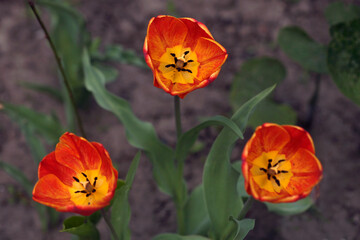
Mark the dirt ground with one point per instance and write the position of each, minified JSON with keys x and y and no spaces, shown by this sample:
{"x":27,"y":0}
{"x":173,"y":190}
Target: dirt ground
{"x":247,"y":29}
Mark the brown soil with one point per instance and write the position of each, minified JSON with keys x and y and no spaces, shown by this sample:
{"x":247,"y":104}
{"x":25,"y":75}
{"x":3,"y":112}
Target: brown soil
{"x":247,"y":29}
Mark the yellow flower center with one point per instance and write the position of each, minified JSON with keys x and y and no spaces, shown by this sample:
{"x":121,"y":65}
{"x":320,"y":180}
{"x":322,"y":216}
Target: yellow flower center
{"x":179,"y":65}
{"x":271,"y":171}
{"x":88,"y":187}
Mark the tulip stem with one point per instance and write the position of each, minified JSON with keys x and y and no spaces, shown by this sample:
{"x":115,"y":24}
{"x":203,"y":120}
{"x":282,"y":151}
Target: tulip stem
{"x":177,"y":116}
{"x":108,"y":222}
{"x":58,"y":61}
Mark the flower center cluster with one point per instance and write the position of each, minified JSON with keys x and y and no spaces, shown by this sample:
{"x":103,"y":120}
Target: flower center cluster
{"x":271,"y":171}
{"x":88,"y":187}
{"x":179,"y":65}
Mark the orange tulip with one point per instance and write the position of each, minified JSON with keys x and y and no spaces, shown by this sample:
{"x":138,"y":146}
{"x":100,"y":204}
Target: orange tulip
{"x":182,"y":54}
{"x":77,"y":177}
{"x":279,"y":164}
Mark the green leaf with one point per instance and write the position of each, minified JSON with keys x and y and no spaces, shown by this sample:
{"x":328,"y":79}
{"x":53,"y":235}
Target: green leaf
{"x":171,"y":236}
{"x":110,"y":73}
{"x":240,"y":186}
{"x":219,"y":178}
{"x":140,"y":134}
{"x":288,"y":209}
{"x":301,"y":48}
{"x":196,"y":217}
{"x":18,"y":175}
{"x":44,"y":124}
{"x":244,"y":226}
{"x":119,"y":54}
{"x":84,"y":230}
{"x":120,"y":214}
{"x":344,"y":58}
{"x":43,"y":88}
{"x":338,"y":12}
{"x":255,"y":75}
{"x":188,"y":139}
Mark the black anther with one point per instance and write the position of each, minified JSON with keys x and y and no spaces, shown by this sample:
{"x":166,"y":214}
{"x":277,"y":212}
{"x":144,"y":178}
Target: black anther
{"x":76,"y":179}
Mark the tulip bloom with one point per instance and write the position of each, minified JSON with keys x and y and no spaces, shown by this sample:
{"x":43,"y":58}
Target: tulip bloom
{"x":77,"y":177}
{"x":182,"y":54}
{"x":279,"y":164}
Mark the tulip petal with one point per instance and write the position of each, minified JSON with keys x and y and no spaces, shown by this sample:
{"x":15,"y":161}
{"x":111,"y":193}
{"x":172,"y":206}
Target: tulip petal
{"x":50,"y":191}
{"x":77,"y":153}
{"x":211,"y":56}
{"x":164,"y":32}
{"x":196,"y":30}
{"x":49,"y":165}
{"x":268,"y":137}
{"x":299,"y":139}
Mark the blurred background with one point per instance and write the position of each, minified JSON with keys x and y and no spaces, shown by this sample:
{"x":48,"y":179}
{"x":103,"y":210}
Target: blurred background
{"x":261,"y":53}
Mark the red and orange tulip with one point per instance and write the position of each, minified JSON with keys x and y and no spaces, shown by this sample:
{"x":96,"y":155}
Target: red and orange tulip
{"x":279,"y":164}
{"x":77,"y":177}
{"x":182,"y":54}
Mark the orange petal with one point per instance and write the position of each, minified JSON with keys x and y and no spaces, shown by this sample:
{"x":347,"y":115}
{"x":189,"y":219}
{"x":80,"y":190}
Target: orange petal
{"x":299,"y":139}
{"x":164,"y":32}
{"x":196,"y":30}
{"x":107,"y":168}
{"x":211,"y":56}
{"x":77,"y":153}
{"x":268,"y":137}
{"x":50,"y":191}
{"x":49,"y":165}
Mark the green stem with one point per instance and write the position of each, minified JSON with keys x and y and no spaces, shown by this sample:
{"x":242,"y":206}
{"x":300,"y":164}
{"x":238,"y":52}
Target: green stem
{"x":58,"y":61}
{"x":177,"y":116}
{"x":108,"y":222}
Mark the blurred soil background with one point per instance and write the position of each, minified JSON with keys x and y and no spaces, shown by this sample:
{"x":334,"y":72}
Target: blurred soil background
{"x":247,"y":29}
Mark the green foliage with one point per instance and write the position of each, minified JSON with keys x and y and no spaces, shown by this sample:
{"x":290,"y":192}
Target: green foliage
{"x":120,"y":214}
{"x":139,"y":134}
{"x":219,"y":178}
{"x":78,"y":226}
{"x":255,"y":75}
{"x":18,"y":175}
{"x":344,"y":58}
{"x":43,"y":88}
{"x":196,"y":217}
{"x":301,"y":48}
{"x":48,"y":126}
{"x":338,"y":12}
{"x":170,"y":236}
{"x":244,"y":226}
{"x":288,"y":209}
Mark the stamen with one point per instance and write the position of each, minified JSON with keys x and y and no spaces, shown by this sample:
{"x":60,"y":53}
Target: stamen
{"x":76,"y":179}
{"x":172,"y":54}
{"x":282,"y":160}
{"x":94,"y":184}
{"x":84,"y":174}
{"x":87,"y":195}
{"x":263,"y":169}
{"x":269,"y":163}
{"x":283,"y":171}
{"x":170,"y":65}
{"x":83,"y":191}
{"x":276,"y":180}
{"x":268,"y":175}
{"x":186,"y":52}
{"x":186,"y":70}
{"x":94,"y":190}
{"x":190,"y":61}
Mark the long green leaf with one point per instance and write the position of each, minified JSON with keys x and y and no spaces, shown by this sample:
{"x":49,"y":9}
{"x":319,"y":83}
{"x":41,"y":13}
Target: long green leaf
{"x":42,"y":88}
{"x":287,"y":209}
{"x":196,"y":217}
{"x":44,"y":124}
{"x":219,"y":178}
{"x":301,"y":48}
{"x":18,"y":175}
{"x":139,"y":134}
{"x":171,"y":236}
{"x":120,"y":214}
{"x":344,"y":58}
{"x":188,"y":139}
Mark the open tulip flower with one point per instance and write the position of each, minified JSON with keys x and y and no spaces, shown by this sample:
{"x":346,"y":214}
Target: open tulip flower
{"x":77,"y":177}
{"x":279,"y":164}
{"x":182,"y":54}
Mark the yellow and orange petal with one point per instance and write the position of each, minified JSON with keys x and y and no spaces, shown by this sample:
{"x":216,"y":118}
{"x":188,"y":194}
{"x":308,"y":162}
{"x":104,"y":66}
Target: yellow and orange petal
{"x":77,"y":177}
{"x":182,"y":54}
{"x":279,"y":164}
